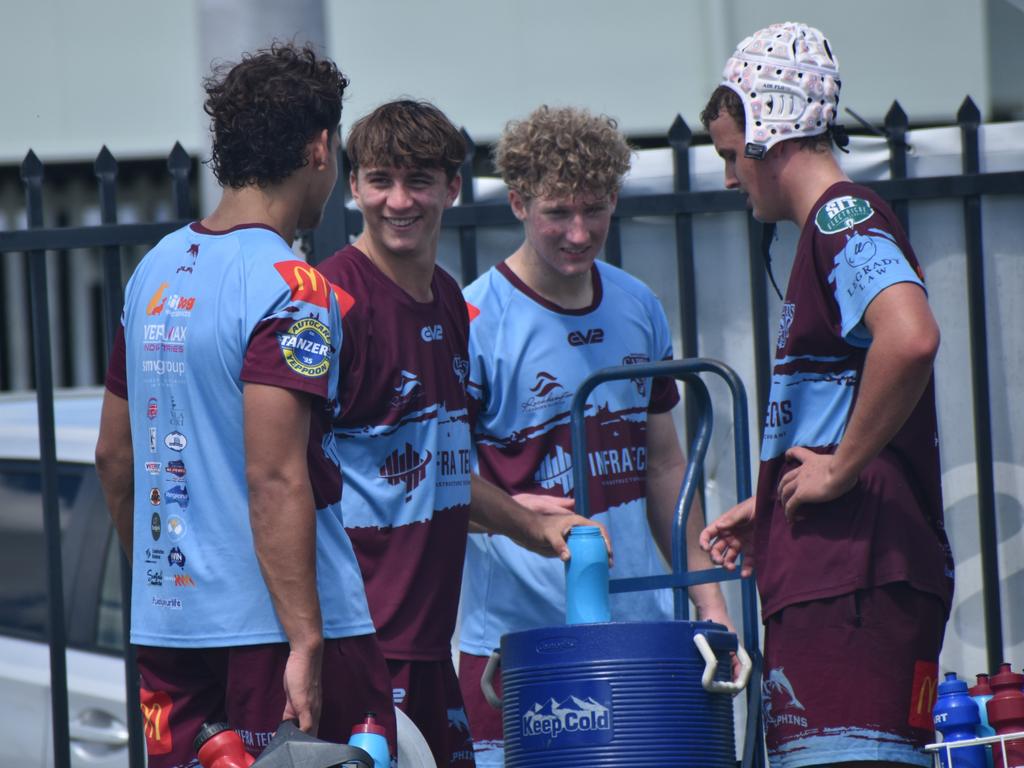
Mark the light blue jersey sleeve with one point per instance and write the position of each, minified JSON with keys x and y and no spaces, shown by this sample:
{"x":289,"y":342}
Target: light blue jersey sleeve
{"x":866,"y":265}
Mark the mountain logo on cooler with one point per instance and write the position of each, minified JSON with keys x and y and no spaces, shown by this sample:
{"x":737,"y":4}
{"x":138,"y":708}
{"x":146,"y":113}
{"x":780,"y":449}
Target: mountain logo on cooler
{"x":555,"y":469}
{"x":407,"y":467}
{"x":553,"y":719}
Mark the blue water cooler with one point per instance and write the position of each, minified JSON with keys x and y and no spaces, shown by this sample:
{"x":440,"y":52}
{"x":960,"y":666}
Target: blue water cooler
{"x":637,"y":693}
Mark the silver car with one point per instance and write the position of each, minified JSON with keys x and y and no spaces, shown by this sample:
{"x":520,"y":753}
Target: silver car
{"x":92,"y":596}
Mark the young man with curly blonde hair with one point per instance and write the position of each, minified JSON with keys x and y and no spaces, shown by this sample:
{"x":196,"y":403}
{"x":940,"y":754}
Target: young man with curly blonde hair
{"x":543,"y":320}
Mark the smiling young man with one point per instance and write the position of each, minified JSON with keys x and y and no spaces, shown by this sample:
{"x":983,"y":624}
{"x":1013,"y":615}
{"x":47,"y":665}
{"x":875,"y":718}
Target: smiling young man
{"x":543,"y":320}
{"x":846,"y":528}
{"x":215,"y":450}
{"x":403,"y":426}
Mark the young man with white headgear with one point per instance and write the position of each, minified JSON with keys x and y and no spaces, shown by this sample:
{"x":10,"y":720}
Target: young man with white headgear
{"x":853,"y":565}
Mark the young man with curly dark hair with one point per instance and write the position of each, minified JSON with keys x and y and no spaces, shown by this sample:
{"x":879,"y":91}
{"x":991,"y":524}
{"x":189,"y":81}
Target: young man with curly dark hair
{"x":544,"y":319}
{"x":846,"y":527}
{"x":403,"y":427}
{"x":216,"y":452}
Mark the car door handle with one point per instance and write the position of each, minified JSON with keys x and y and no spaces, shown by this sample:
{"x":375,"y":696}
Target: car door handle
{"x":98,"y":727}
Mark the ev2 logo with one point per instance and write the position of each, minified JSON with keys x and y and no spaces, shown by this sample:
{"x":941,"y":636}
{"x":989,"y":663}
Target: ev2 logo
{"x":432,"y":333}
{"x":591,"y":336}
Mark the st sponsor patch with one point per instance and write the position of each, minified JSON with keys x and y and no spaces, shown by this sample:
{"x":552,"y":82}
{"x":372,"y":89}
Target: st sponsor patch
{"x":306,"y":347}
{"x":842,"y":213}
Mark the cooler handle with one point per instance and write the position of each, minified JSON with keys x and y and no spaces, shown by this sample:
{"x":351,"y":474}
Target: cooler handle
{"x":487,"y":680}
{"x":711,"y":665}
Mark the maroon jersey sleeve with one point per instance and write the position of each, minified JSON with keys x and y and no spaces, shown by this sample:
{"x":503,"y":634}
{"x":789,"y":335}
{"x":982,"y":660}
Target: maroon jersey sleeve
{"x":664,"y":395}
{"x":116,"y":379}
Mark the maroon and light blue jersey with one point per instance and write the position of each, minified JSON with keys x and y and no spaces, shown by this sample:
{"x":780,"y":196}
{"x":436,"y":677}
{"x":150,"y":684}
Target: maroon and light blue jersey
{"x":527,"y":358}
{"x":205,"y":314}
{"x":889,"y":528}
{"x":404,"y":441}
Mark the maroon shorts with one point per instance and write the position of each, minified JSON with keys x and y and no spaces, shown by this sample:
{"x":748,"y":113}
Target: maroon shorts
{"x":484,"y":720}
{"x":181,"y":688}
{"x":428,"y":692}
{"x":852,"y":678}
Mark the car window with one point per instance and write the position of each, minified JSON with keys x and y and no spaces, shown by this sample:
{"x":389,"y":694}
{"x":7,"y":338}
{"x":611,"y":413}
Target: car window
{"x":109,"y":635}
{"x":23,"y":598}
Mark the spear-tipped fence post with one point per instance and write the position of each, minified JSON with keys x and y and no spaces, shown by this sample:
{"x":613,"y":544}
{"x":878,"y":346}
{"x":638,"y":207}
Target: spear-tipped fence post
{"x":32,"y":177}
{"x":896,"y":130}
{"x":467,"y":235}
{"x":969,"y":118}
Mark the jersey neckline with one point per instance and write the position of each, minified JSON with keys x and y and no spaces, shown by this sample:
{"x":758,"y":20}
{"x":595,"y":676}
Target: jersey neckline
{"x":595,"y":276}
{"x":199,"y":228}
{"x":397,"y":291}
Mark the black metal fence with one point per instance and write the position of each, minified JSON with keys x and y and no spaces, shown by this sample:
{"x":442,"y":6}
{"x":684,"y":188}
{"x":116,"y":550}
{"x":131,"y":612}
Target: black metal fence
{"x":682,"y":204}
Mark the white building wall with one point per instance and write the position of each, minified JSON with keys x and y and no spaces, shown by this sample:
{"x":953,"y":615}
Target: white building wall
{"x":644,"y":61}
{"x":78,"y":75}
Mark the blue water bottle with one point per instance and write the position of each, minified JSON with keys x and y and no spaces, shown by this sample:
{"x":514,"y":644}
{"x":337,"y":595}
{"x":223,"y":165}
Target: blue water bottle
{"x":586,"y":577}
{"x":956,"y":717}
{"x":371,"y":737}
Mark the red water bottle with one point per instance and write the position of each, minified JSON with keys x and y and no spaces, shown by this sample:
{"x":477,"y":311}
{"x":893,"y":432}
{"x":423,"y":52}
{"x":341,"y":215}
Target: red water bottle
{"x":1006,"y":715}
{"x":217,"y":746}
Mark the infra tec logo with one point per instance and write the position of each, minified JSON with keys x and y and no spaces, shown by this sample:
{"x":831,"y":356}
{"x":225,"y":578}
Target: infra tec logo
{"x":406,"y":467}
{"x":555,"y":469}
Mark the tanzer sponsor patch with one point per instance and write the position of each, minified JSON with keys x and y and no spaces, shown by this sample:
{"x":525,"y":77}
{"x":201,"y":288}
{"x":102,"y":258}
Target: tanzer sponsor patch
{"x":842,"y":213}
{"x":306,"y":346}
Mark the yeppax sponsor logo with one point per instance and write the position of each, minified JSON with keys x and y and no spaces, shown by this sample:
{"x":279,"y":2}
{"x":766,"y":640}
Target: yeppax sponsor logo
{"x":554,"y":719}
{"x":164,"y":336}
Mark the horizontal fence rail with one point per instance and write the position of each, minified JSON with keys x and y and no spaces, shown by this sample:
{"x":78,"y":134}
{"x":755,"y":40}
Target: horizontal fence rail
{"x":113,"y":249}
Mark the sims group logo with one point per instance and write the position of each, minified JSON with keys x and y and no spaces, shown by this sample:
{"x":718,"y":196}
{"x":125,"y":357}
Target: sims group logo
{"x":306,"y":347}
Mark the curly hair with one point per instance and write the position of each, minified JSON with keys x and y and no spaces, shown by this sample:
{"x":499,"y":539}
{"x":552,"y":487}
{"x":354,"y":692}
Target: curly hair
{"x":562,"y":152}
{"x":725,"y":99}
{"x":265,"y":109}
{"x":406,"y":134}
